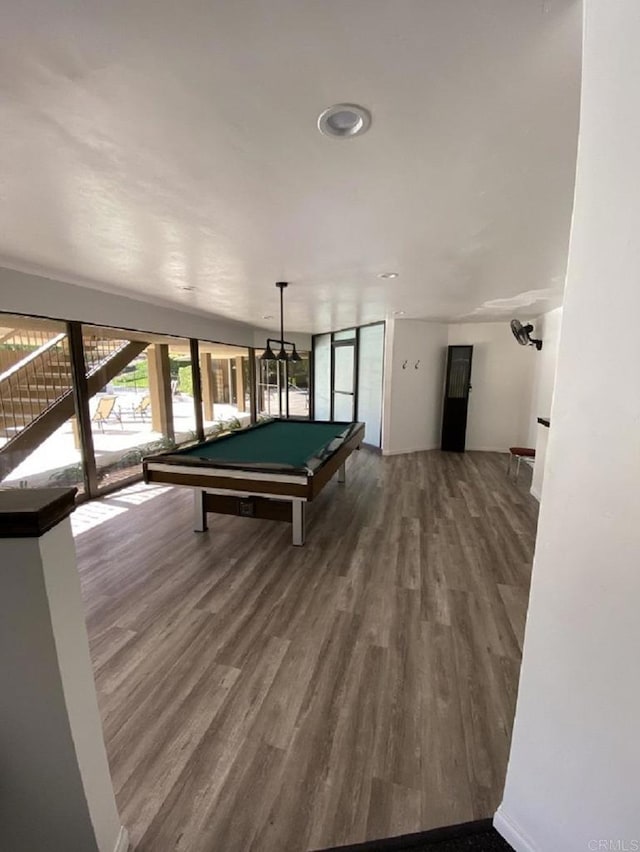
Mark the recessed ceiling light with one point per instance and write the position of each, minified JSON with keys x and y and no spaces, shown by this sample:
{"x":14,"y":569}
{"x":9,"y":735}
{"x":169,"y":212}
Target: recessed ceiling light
{"x":398,"y":313}
{"x":344,"y":121}
{"x":267,"y":316}
{"x":187,"y":289}
{"x":388,"y":275}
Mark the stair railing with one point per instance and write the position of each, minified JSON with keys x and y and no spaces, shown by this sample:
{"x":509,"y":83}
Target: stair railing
{"x":99,"y":350}
{"x":33,"y":384}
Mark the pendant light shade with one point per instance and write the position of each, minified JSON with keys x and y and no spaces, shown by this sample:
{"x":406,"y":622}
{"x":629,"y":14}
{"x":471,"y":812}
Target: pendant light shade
{"x":282,"y":354}
{"x":268,"y":354}
{"x":294,"y":355}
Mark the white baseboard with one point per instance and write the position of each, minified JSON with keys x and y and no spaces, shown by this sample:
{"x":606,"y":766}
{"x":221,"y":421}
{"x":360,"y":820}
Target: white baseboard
{"x":487,"y":450}
{"x":407,"y":451}
{"x":122,"y":844}
{"x":512,"y":832}
{"x":437,"y":447}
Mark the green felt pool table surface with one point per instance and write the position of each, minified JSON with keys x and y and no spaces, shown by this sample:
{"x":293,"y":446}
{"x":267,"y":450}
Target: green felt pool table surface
{"x":280,"y":442}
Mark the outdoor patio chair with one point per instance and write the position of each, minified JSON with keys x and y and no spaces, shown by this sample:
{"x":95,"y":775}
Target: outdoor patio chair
{"x":143,"y":408}
{"x":105,"y":410}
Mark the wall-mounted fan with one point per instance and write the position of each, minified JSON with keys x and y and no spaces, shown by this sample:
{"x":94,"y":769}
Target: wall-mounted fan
{"x":522,"y":334}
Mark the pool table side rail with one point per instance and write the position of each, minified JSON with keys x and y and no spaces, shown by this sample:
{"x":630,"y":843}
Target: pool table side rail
{"x":323,"y":474}
{"x":171,"y":475}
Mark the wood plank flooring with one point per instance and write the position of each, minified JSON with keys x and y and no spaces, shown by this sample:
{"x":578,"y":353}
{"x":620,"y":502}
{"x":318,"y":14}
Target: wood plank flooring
{"x":257,"y":696}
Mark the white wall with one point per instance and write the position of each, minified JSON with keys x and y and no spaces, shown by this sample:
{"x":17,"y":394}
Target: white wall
{"x":33,"y":294}
{"x":502,"y":375}
{"x":412,"y":416}
{"x":547,"y":328}
{"x":56,"y":793}
{"x":573,"y":781}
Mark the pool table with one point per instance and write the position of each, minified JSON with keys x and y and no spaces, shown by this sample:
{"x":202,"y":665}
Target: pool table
{"x":270,"y":470}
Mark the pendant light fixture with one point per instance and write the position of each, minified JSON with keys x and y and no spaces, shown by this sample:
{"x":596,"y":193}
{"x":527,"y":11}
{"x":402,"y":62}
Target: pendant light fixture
{"x":283,"y":355}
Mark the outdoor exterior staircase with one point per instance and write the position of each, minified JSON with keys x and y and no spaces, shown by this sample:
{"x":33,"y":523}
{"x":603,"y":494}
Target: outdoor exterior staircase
{"x":36,"y":389}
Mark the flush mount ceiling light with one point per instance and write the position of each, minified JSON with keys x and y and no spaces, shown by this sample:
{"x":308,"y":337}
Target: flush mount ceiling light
{"x":344,"y":121}
{"x":387,"y":275}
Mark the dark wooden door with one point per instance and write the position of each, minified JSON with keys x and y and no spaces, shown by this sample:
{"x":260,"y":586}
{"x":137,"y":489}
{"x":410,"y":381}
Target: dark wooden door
{"x":456,"y":398}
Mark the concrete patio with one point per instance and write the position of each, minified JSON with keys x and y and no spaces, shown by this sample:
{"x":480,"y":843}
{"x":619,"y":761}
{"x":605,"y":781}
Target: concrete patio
{"x":113,"y":439}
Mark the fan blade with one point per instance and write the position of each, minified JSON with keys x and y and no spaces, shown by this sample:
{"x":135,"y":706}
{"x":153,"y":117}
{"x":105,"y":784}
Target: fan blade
{"x":518,"y":332}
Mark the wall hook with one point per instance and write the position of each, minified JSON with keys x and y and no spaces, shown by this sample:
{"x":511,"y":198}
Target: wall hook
{"x":417,"y":363}
{"x":404,"y":365}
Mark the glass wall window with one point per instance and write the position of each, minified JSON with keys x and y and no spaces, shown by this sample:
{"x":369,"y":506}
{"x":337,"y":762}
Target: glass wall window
{"x":283,"y":389}
{"x":322,"y":377}
{"x":135,"y":395}
{"x":346,"y":334}
{"x":140,"y":389}
{"x":370,"y":375}
{"x":343,"y":369}
{"x":298,"y":376}
{"x":183,"y":405}
{"x":39,"y":439}
{"x":226,"y":388}
{"x":348,"y":369}
{"x":268,"y":388}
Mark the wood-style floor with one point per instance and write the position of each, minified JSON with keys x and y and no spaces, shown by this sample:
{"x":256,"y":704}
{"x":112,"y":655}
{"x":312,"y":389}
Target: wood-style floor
{"x":257,"y":696}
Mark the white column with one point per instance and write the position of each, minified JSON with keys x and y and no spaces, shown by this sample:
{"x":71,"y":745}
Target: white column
{"x":572,"y":782}
{"x":56,"y":789}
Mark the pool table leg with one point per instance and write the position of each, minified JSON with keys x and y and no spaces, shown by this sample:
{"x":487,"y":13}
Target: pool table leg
{"x":297,"y":517}
{"x":342,"y":472}
{"x":199,"y":513}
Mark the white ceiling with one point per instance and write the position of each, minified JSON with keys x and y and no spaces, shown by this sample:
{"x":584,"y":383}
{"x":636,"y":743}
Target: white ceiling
{"x":151,"y":145}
